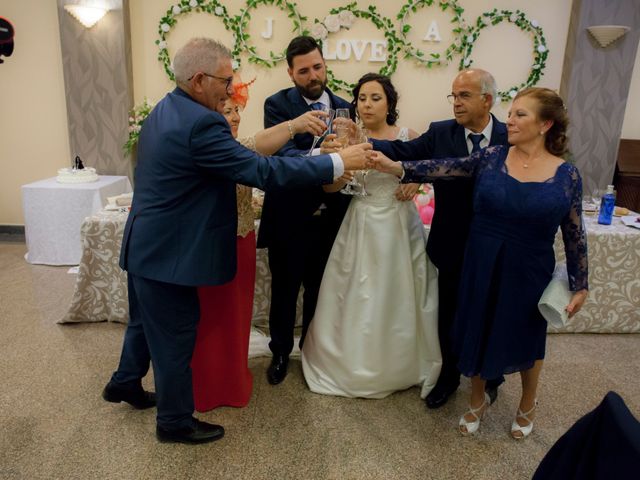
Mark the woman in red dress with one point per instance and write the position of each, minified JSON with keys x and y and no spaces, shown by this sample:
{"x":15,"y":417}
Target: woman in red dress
{"x":219,"y":365}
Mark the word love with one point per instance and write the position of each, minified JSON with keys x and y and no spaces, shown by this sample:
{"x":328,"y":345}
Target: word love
{"x":345,"y":49}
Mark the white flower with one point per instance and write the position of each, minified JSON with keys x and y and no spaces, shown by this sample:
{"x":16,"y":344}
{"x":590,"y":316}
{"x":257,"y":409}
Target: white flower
{"x":165,"y":27}
{"x":131,"y":120}
{"x":470,"y":38}
{"x":235,"y":65}
{"x":219,"y":11}
{"x":319,"y":31}
{"x":162,"y":44}
{"x":176,"y":9}
{"x":513,"y":93}
{"x":193,"y":3}
{"x":542,"y":48}
{"x":534,"y":23}
{"x":513,"y":18}
{"x":535,"y":67}
{"x":467,"y":62}
{"x":346,"y":18}
{"x":332,"y":23}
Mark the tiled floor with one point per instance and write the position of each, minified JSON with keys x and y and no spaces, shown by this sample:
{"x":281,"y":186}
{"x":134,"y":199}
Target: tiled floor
{"x":53,"y":423}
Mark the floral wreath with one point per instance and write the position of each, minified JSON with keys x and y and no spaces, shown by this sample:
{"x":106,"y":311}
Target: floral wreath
{"x":518,"y":18}
{"x":242,"y":38}
{"x":434,"y":59}
{"x":183,"y":7}
{"x":343,"y":17}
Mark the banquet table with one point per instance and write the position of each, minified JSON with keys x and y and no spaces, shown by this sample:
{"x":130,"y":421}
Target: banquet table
{"x":614,"y":276}
{"x":53,"y":214}
{"x":613,"y":304}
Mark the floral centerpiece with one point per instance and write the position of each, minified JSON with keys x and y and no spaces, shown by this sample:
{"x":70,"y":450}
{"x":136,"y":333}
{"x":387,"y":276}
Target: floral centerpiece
{"x":136,"y":118}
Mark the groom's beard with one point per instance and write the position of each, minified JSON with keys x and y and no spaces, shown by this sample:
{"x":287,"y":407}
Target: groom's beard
{"x":313,"y":90}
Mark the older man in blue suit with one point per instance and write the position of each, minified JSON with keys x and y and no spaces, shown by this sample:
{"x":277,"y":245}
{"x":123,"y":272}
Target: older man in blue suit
{"x":181,"y":232}
{"x":473,"y":93}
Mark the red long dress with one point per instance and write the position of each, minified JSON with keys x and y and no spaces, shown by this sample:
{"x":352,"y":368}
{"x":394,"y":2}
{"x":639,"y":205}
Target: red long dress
{"x":219,"y":365}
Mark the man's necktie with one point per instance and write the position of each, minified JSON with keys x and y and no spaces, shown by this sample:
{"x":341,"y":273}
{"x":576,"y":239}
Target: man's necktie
{"x":475,"y":138}
{"x":317,"y":106}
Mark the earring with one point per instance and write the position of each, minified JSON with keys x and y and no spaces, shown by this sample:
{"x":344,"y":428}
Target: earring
{"x":541,"y":132}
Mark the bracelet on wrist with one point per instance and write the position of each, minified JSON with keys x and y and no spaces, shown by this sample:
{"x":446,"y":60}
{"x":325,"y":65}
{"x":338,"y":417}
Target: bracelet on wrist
{"x":290,"y":129}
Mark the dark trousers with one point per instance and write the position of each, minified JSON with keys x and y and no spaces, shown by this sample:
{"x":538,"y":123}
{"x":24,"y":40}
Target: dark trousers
{"x":448,"y":281}
{"x":162,"y":329}
{"x":299,"y":261}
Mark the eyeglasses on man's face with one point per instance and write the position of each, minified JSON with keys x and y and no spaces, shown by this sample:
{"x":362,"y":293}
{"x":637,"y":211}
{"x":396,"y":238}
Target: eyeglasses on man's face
{"x":462,"y":96}
{"x":228,"y":80}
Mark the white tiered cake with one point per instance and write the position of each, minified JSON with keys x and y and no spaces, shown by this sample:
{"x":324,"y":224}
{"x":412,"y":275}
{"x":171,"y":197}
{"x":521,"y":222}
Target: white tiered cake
{"x":73,"y":175}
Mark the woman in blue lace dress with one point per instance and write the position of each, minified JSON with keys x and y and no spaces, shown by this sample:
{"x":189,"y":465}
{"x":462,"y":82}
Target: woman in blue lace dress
{"x":522,"y":194}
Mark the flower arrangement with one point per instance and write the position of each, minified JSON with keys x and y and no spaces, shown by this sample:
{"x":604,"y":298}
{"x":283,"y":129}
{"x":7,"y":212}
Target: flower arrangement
{"x":332,"y":23}
{"x":344,"y":17}
{"x":137,"y":117}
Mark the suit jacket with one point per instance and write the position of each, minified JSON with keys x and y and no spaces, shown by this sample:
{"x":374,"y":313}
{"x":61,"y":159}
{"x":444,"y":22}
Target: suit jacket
{"x":286,"y":212}
{"x":453,"y":196}
{"x":182,"y":225}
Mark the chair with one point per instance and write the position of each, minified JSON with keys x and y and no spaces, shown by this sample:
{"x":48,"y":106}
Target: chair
{"x":604,"y":444}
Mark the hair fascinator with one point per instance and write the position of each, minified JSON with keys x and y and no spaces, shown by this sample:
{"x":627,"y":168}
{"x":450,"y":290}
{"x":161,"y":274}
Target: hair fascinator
{"x":240,"y":94}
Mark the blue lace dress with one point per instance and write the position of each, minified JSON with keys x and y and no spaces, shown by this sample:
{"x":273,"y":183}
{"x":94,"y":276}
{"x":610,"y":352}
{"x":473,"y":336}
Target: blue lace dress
{"x":509,"y":258}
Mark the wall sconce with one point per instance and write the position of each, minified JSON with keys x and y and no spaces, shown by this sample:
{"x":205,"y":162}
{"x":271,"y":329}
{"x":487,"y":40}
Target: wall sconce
{"x":86,"y":15}
{"x":607,"y":34}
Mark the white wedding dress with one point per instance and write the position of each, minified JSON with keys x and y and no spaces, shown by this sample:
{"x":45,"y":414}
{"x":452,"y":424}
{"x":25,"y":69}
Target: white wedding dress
{"x":375,"y":329}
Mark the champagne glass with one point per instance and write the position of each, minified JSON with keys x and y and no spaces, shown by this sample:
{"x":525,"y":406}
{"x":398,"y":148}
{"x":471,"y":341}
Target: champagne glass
{"x":328,"y":120}
{"x":596,"y":196}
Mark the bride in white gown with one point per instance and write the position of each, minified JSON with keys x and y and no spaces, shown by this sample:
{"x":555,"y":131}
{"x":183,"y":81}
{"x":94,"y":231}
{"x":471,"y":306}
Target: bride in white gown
{"x":375,"y":328}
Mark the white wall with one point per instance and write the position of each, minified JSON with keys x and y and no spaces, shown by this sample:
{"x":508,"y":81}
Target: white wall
{"x":34,"y":141}
{"x":33,"y":126}
{"x":631,"y":125}
{"x":503,"y":50}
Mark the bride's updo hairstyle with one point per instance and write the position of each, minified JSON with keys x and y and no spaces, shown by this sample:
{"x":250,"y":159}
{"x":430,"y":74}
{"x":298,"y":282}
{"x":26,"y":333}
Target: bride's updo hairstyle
{"x":550,"y":107}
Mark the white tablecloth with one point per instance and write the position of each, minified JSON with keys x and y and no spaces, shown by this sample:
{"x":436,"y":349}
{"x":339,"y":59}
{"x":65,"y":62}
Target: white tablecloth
{"x":613,"y":304}
{"x":614,"y":276}
{"x":53,"y":214}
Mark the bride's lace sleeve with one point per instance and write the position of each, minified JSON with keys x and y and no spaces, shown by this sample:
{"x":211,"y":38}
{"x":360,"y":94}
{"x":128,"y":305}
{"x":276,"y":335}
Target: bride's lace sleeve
{"x":420,"y":171}
{"x":574,"y":236}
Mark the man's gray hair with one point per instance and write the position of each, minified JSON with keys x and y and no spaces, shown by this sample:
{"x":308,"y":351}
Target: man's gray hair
{"x":488,"y":84}
{"x":198,"y":55}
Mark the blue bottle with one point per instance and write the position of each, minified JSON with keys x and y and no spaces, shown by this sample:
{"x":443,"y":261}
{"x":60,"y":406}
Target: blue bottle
{"x":606,"y":206}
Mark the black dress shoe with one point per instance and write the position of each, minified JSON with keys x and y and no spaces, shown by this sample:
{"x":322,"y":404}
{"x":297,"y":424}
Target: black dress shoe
{"x":439,"y":395}
{"x":278,"y":369}
{"x":199,"y":432}
{"x":492,"y":392}
{"x":136,"y":397}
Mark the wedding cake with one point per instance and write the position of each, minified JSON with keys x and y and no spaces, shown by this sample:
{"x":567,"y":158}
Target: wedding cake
{"x":77,"y":174}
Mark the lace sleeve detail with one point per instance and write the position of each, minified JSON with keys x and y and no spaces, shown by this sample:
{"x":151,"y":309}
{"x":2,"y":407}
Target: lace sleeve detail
{"x":574,"y":237}
{"x":249,"y":142}
{"x":245,"y":210}
{"x":243,"y":195}
{"x":420,"y":171}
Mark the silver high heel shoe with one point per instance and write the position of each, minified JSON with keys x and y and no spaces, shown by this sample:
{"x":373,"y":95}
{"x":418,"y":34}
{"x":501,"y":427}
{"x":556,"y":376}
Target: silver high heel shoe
{"x":518,"y":431}
{"x":472,"y":427}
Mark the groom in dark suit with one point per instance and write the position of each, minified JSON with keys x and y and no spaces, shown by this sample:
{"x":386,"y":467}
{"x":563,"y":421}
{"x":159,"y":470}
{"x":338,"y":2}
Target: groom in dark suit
{"x":181,"y":232}
{"x":473,"y":127}
{"x":298,"y":226}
